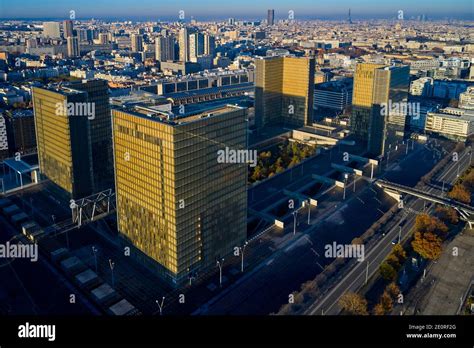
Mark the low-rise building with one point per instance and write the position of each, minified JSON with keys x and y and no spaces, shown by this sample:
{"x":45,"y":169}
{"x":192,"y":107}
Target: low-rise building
{"x":452,"y":123}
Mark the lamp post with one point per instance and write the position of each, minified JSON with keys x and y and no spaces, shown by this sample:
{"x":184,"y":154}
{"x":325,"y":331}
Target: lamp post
{"x":112,"y":266}
{"x":345,"y":181}
{"x":219,"y":264}
{"x":294,"y":221}
{"x":160,"y":305}
{"x":242,"y":250}
{"x":309,"y":211}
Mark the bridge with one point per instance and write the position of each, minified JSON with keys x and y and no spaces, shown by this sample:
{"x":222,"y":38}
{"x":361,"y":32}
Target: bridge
{"x":464,"y":210}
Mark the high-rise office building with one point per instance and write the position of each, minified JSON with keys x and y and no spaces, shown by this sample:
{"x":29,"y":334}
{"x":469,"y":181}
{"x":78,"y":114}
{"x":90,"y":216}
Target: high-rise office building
{"x":378,"y":116}
{"x":196,"y":45}
{"x":183,"y":42}
{"x":137,"y":43}
{"x":73,"y":133}
{"x":103,"y":38}
{"x":3,"y":139}
{"x":284,"y":88}
{"x":164,"y":48}
{"x":73,"y":49}
{"x":271,"y":17}
{"x":68,"y":28}
{"x":20,"y":130}
{"x":51,"y":30}
{"x":209,"y":45}
{"x":177,"y":203}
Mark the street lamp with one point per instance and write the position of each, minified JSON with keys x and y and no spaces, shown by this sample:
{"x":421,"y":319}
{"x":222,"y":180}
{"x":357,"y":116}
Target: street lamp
{"x":345,"y":181}
{"x":112,"y":266}
{"x":160,"y":305}
{"x":399,"y":234}
{"x":309,"y":211}
{"x":219,"y":264}
{"x":242,"y":250}
{"x":94,"y":250}
{"x":294,"y":221}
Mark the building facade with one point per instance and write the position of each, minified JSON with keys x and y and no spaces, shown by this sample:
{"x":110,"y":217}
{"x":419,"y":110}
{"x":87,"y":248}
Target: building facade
{"x":284,"y":91}
{"x":73,"y":132}
{"x":451,"y":123}
{"x":3,"y":139}
{"x":176,"y":203}
{"x":164,"y":49}
{"x":377,"y":90}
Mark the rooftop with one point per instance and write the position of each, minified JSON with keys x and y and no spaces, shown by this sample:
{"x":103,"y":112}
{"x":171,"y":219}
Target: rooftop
{"x":174,"y":119}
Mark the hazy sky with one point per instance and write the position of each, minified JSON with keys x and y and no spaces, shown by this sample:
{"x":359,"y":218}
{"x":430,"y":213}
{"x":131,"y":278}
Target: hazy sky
{"x":243,"y":9}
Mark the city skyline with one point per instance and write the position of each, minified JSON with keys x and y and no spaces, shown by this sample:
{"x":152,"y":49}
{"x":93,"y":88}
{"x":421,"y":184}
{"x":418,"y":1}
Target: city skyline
{"x":207,"y":10}
{"x":171,"y":159}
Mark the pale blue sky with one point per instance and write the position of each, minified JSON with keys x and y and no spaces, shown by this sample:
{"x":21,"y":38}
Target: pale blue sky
{"x":244,"y":9}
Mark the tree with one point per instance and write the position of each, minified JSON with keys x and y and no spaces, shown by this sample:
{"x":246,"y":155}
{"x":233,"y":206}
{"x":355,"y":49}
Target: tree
{"x":378,"y":309}
{"x":430,"y":224}
{"x":459,"y":193}
{"x":386,"y":301}
{"x":353,"y":303}
{"x":399,"y":253}
{"x":468,"y":181}
{"x":427,"y":245}
{"x":447,"y":214}
{"x":387,"y":271}
{"x":393,"y":290}
{"x":257,"y":173}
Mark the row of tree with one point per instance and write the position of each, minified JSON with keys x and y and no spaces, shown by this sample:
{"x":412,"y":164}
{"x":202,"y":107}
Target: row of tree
{"x":355,"y":304}
{"x":289,"y":154}
{"x":462,"y":189}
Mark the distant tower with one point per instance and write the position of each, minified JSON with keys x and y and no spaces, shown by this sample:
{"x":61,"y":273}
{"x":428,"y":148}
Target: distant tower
{"x":349,"y":19}
{"x":271,"y":17}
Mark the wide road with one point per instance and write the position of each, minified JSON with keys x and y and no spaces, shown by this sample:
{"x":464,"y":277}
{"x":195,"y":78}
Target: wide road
{"x":377,"y":254}
{"x":298,"y":258}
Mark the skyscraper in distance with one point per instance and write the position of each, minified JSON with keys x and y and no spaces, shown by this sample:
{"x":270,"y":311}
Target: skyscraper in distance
{"x":68,"y":28}
{"x":137,"y":43}
{"x":164,"y":48}
{"x":196,"y":45}
{"x":184,"y":43}
{"x":271,"y":17}
{"x":73,"y":49}
{"x":209,"y":44}
{"x":177,"y":203}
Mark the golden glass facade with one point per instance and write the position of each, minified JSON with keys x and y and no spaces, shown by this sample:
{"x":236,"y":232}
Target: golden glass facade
{"x":60,"y":141}
{"x":374,"y":86}
{"x":75,"y":148}
{"x":175,"y":202}
{"x":284,"y":88}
